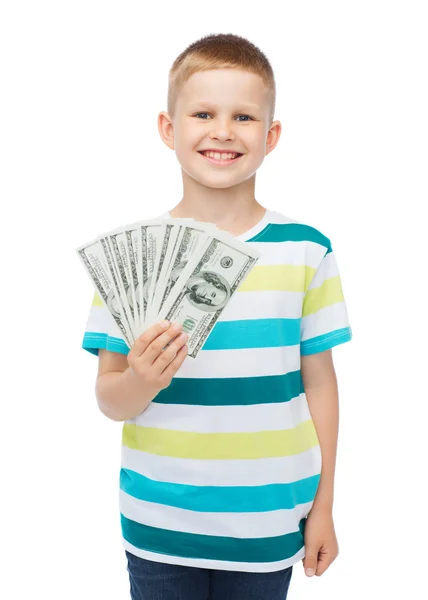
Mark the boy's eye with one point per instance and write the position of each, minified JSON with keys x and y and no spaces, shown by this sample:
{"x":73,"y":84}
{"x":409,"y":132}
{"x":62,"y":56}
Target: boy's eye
{"x":204,"y":113}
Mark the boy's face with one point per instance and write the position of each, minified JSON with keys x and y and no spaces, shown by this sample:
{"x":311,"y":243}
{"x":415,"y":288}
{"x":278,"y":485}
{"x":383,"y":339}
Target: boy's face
{"x":225,"y":109}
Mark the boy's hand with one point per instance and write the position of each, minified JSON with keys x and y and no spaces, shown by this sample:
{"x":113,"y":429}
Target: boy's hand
{"x":320,"y":541}
{"x":154,"y":364}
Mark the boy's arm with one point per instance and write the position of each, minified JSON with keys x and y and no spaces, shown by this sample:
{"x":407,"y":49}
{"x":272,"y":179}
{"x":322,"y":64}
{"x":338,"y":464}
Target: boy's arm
{"x":319,"y":380}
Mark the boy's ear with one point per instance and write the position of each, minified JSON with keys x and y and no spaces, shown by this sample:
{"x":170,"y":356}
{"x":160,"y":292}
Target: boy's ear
{"x":166,"y":129}
{"x":273,"y":136}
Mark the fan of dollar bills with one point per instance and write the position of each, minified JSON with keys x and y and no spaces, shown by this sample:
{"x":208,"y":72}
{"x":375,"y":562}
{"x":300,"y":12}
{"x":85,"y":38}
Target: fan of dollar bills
{"x":182,"y":270}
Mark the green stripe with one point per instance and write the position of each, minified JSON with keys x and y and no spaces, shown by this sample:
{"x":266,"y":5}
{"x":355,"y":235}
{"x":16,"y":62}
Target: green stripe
{"x":227,"y":391}
{"x":292,"y":232}
{"x":213,"y":547}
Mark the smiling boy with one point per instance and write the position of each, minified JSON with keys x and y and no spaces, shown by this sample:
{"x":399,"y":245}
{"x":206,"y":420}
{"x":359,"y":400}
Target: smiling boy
{"x":227,"y":473}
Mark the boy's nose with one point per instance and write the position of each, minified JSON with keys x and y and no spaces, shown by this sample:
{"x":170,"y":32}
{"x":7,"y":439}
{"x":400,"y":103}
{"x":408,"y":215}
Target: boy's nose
{"x":222,"y":128}
{"x":222,"y":134}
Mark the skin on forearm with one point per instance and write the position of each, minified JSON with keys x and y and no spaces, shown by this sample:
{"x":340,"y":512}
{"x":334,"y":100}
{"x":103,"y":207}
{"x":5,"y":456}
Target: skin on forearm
{"x":319,"y":379}
{"x":120,"y":397}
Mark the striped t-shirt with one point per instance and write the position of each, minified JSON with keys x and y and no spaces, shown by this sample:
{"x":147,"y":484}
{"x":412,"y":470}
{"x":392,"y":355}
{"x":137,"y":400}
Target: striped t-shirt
{"x":221,"y":469}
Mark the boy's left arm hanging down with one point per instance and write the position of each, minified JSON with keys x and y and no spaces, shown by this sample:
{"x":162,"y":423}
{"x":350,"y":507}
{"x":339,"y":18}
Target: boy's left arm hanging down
{"x":320,"y":383}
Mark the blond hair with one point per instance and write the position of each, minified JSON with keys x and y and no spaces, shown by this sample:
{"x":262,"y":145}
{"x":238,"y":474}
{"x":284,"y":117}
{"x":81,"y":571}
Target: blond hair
{"x":220,"y":51}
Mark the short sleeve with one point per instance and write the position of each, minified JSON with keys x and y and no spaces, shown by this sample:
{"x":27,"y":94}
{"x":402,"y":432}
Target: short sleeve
{"x":324,"y":321}
{"x":102,"y":331}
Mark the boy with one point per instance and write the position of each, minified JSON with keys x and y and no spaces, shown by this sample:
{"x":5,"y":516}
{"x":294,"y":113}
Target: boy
{"x":221,"y":489}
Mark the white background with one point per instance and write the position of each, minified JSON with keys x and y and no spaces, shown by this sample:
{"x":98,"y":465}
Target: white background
{"x":82,"y":85}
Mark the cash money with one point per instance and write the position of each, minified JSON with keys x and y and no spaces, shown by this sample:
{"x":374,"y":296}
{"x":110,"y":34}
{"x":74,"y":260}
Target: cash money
{"x":177,"y":269}
{"x":93,"y":259}
{"x":189,"y":239}
{"x":204,"y":286}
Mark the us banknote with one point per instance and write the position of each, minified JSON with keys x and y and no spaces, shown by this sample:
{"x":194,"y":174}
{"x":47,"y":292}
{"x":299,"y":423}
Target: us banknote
{"x":93,"y":259}
{"x":179,"y":269}
{"x":204,"y":285}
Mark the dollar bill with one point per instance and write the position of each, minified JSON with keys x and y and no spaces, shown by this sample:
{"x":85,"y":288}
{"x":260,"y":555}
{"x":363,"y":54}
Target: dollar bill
{"x":163,"y":245}
{"x":134,"y":244}
{"x":111,"y":262}
{"x":158,"y":240}
{"x":150,"y":234}
{"x":189,"y":241}
{"x":92,"y":258}
{"x":205,"y":285}
{"x":179,"y":269}
{"x":120,"y":243}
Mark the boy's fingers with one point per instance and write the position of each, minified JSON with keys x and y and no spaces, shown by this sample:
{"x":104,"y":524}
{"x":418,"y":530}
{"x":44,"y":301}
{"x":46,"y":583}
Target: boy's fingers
{"x":159,"y":346}
{"x":175,"y":364}
{"x":163,"y":356}
{"x":146,"y":338}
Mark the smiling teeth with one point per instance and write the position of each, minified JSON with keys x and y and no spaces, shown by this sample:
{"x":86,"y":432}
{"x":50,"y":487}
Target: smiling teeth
{"x":222,"y":156}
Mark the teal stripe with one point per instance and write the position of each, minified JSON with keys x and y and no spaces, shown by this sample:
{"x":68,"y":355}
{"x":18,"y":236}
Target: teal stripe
{"x":92,"y":341}
{"x":326,"y":341}
{"x":192,"y":545}
{"x":228,"y":391}
{"x":253,"y":333}
{"x":210,"y":498}
{"x":292,"y":232}
{"x":236,"y":335}
{"x":226,"y":335}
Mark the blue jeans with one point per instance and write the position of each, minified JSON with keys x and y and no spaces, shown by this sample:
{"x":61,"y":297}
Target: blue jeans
{"x":151,"y":580}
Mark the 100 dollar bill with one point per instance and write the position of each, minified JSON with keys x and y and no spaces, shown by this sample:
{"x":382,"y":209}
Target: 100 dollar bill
{"x":189,"y":241}
{"x":204,"y":286}
{"x":104,"y":278}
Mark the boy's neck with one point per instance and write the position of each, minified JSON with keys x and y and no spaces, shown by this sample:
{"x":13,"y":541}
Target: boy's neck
{"x":236,"y":219}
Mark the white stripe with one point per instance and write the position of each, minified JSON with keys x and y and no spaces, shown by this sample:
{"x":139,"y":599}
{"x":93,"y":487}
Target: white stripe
{"x":101,"y":321}
{"x":277,"y":217}
{"x":222,"y":565}
{"x":245,"y":362}
{"x":273,"y":416}
{"x":324,"y":321}
{"x":289,"y":253}
{"x":327,"y":269}
{"x":263,"y":304}
{"x":188,"y":471}
{"x":229,"y":524}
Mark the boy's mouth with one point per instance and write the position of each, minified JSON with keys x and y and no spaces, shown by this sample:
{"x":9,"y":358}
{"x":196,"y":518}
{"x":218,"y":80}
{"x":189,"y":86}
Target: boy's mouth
{"x":210,"y":156}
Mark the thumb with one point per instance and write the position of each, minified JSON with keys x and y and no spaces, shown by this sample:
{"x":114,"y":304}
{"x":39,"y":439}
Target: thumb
{"x":310,"y":563}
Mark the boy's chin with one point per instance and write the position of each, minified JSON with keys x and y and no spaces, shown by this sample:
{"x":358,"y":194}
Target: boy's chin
{"x":217,"y":182}
{"x":211,"y":180}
